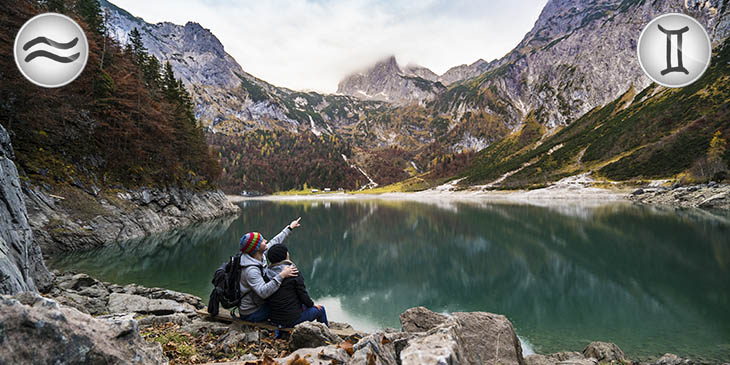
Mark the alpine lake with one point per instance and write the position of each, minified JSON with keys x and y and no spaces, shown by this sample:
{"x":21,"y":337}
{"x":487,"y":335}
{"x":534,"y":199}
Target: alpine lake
{"x":652,"y":280}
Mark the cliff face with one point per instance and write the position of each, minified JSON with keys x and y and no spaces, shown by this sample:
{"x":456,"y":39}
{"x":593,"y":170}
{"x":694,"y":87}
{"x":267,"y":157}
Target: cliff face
{"x":21,"y":263}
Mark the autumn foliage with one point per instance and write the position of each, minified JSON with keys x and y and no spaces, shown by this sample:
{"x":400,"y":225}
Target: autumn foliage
{"x":267,"y":161}
{"x":124,"y":121}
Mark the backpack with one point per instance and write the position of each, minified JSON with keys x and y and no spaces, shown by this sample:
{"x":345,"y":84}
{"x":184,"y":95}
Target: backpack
{"x":226,"y":289}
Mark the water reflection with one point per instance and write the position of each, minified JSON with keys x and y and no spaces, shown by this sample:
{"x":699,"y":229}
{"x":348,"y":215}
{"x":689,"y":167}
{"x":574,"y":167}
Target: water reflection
{"x":651,"y":280}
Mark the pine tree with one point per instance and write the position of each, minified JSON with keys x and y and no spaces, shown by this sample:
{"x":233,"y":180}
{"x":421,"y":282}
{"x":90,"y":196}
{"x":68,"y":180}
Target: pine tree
{"x":151,"y":72}
{"x":169,"y":83}
{"x":137,"y":47}
{"x":90,"y":11}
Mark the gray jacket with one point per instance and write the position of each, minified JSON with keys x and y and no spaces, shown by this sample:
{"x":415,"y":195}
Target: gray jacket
{"x":251,"y":279}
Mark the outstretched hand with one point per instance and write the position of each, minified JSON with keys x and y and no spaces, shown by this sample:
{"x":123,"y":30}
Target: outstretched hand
{"x":295,"y":223}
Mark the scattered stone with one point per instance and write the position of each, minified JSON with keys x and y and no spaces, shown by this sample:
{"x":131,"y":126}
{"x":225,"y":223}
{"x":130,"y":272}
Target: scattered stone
{"x":638,"y":192}
{"x":49,"y":333}
{"x":603,"y":351}
{"x":311,"y":334}
{"x":420,"y":319}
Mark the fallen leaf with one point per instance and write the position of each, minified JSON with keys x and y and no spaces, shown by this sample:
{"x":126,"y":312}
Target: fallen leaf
{"x":298,"y":361}
{"x":347,"y":346}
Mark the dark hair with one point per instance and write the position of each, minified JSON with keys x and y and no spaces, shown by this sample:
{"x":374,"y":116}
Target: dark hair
{"x":277,"y":253}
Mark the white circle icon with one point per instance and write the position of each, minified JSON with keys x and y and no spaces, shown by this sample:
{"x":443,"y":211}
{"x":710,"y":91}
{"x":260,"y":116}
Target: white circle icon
{"x":674,"y":50}
{"x":51,"y":50}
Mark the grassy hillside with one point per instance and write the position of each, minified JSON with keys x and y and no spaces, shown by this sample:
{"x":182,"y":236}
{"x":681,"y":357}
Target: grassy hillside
{"x":657,"y":133}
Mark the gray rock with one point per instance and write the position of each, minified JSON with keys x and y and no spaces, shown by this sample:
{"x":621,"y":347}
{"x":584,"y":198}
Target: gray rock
{"x":603,"y":351}
{"x":21,"y":264}
{"x":237,"y":337}
{"x":637,"y":192}
{"x":537,"y":359}
{"x":487,"y":338}
{"x":380,"y":348}
{"x":51,"y":333}
{"x":120,"y":302}
{"x":311,"y":334}
{"x":176,"y":318}
{"x":439,"y":346}
{"x":202,"y":326}
{"x":420,"y":319}
{"x":84,"y":304}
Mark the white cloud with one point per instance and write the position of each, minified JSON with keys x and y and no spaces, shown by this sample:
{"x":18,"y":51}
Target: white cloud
{"x":313,"y":44}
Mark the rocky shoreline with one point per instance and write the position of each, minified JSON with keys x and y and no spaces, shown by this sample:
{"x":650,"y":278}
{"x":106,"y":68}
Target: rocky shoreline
{"x":117,"y":215}
{"x":84,"y":320}
{"x":707,"y":196}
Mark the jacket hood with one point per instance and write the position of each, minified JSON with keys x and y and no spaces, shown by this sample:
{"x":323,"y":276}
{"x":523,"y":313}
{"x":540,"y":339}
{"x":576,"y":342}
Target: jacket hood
{"x":247,"y":259}
{"x":276,"y":268}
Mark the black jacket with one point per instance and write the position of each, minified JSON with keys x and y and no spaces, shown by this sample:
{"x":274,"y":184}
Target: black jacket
{"x":286,"y":303}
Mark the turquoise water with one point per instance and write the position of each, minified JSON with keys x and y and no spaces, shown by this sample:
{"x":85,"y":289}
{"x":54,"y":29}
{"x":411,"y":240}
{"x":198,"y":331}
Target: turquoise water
{"x":651,"y":280}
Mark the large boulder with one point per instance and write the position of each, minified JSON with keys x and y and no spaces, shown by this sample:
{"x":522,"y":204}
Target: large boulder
{"x":21,"y":264}
{"x":420,"y":319}
{"x":603,"y":351}
{"x":487,"y":338}
{"x":463,"y":338}
{"x":311,"y":334}
{"x":40,"y":329}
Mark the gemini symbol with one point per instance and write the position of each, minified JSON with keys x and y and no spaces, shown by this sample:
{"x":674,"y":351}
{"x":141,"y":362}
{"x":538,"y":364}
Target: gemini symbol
{"x":680,"y":66}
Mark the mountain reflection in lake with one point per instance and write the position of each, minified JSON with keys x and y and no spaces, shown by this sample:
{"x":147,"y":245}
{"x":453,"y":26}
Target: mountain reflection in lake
{"x":651,"y":280}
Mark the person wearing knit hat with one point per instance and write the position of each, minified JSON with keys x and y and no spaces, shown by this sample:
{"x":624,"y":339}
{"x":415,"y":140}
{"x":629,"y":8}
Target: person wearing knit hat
{"x":291,"y":304}
{"x":255,"y":287}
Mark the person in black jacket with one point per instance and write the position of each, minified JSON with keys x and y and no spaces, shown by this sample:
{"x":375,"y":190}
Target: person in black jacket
{"x":290,"y":304}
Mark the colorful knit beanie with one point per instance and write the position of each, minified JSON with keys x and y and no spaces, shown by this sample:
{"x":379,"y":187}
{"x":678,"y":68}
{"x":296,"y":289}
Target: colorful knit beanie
{"x":250,"y":242}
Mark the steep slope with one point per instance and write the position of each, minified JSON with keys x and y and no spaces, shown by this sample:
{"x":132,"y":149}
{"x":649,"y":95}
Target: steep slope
{"x":385,"y":81}
{"x":579,"y":55}
{"x":656,"y":133}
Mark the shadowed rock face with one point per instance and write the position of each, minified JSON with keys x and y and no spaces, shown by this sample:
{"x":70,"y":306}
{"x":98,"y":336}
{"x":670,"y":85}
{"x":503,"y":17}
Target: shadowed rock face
{"x":21,"y":263}
{"x":39,"y":329}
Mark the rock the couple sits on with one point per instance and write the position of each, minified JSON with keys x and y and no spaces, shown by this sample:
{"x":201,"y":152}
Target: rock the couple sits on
{"x":276,"y":291}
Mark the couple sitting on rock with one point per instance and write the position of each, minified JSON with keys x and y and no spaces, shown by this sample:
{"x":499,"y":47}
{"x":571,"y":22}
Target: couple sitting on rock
{"x":275,"y":291}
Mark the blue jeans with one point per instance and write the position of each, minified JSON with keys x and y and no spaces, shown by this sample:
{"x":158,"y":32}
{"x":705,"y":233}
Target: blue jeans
{"x":260,"y":315}
{"x":312,"y":314}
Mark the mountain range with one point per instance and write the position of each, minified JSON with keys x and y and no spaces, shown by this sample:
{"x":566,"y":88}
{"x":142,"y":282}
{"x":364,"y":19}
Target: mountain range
{"x":580,"y":55}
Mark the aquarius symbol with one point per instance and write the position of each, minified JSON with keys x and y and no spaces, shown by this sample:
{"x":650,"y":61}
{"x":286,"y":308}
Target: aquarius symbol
{"x":50,"y":55}
{"x":680,"y":66}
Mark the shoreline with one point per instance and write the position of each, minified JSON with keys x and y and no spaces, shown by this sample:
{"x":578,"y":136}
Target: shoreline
{"x":550,"y":194}
{"x":570,"y":191}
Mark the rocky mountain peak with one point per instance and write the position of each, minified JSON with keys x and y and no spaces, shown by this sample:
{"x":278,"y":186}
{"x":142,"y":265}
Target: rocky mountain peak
{"x":386,"y":81}
{"x":420,"y":71}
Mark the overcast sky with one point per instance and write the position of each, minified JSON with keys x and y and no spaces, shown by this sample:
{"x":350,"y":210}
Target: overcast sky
{"x":313,"y":44}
